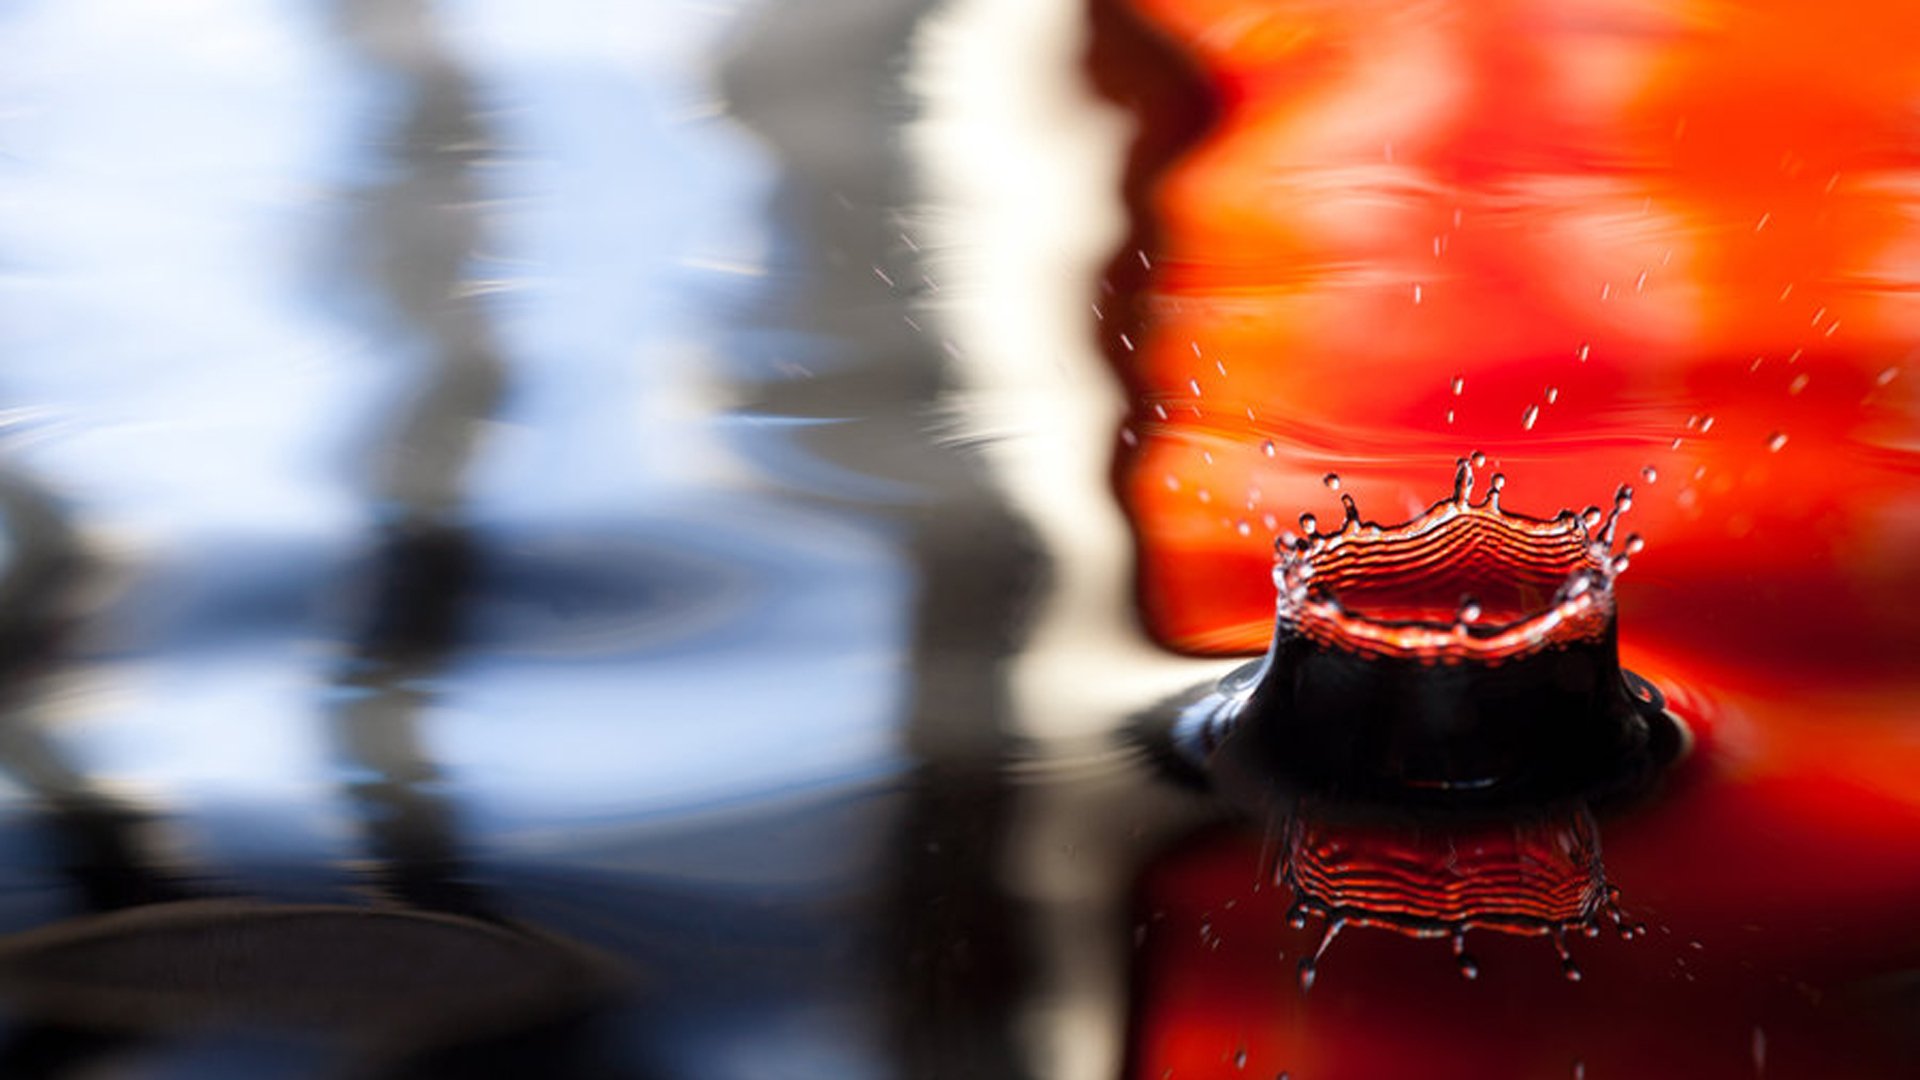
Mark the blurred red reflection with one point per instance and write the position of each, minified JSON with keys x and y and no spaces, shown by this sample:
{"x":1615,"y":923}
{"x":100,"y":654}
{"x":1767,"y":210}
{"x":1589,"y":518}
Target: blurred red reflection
{"x":1671,"y":244}
{"x":1623,"y":215}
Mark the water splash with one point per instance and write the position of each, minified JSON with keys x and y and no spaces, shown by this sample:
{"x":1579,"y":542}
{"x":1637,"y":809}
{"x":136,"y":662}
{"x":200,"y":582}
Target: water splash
{"x":1435,"y":802}
{"x":1398,"y":590}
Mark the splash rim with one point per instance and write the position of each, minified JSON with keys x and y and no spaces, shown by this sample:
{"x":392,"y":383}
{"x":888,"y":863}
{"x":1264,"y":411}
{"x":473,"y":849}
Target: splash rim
{"x":1581,"y":608}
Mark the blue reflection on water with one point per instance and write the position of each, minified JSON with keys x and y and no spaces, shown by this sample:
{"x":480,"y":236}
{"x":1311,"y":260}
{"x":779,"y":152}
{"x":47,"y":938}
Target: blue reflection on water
{"x":669,"y":723}
{"x":700,"y":598}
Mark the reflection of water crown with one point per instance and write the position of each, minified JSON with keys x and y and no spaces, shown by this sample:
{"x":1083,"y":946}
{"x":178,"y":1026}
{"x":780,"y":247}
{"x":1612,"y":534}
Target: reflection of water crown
{"x":1463,"y":581}
{"x":1537,"y":874}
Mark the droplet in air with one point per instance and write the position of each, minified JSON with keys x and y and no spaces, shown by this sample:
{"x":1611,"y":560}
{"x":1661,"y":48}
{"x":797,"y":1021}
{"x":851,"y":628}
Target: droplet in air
{"x":1528,"y":418}
{"x":1886,"y":376}
{"x":1799,"y":383}
{"x":1650,"y":474}
{"x":1495,"y":486}
{"x":1777,"y":440}
{"x":1268,"y":448}
{"x":1459,"y":383}
{"x":1244,"y":528}
{"x":1553,"y":394}
{"x":1194,"y":385}
{"x":1332,"y":480}
{"x":1240,"y":1059}
{"x":1309,"y":524}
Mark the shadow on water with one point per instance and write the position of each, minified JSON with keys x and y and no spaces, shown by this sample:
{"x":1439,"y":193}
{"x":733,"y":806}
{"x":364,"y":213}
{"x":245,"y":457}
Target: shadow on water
{"x":96,"y":840}
{"x":417,"y":232}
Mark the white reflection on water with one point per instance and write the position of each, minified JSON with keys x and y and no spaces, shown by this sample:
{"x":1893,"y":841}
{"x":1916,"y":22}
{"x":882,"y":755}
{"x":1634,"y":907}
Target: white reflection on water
{"x":1022,"y":163}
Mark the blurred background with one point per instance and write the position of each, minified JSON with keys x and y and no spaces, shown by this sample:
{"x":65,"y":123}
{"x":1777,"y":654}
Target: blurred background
{"x":497,"y":577}
{"x":629,"y":537}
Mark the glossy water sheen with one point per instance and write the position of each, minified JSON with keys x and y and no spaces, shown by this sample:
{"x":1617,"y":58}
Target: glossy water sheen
{"x":512,"y":566}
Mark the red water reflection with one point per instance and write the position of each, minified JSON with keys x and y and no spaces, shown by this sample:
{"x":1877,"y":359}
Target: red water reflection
{"x":1675,"y":244}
